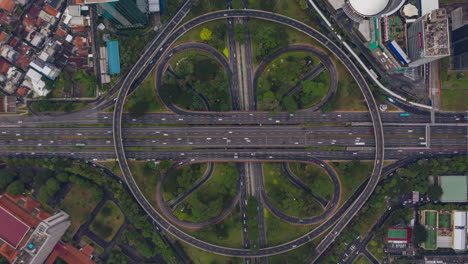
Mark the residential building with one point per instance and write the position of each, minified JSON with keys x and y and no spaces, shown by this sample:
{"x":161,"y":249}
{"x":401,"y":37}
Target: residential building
{"x":428,"y":38}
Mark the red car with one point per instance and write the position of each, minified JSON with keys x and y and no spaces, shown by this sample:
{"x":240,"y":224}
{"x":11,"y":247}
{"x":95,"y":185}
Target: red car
{"x":370,"y":130}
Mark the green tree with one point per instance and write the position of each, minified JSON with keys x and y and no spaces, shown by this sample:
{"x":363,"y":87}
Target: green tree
{"x":290,"y":104}
{"x":419,"y":234}
{"x":15,"y":188}
{"x":205,"y":34}
{"x":63,"y":177}
{"x":6,"y":177}
{"x":164,"y":165}
{"x":434,"y":192}
{"x":52,"y":185}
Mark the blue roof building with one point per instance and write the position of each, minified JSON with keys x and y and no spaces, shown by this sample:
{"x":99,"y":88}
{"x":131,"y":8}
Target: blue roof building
{"x":113,"y":58}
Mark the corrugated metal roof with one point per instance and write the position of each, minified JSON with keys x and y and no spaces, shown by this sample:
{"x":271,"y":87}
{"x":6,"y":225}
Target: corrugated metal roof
{"x":459,"y":239}
{"x":459,"y":219}
{"x":113,"y":57}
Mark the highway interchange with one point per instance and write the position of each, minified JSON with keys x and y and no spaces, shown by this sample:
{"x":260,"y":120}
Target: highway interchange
{"x":237,"y":136}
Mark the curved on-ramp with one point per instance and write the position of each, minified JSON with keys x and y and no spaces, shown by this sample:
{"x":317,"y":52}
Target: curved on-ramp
{"x":163,"y":64}
{"x":328,"y":210}
{"x":165,"y":39}
{"x":168,"y":213}
{"x":324,"y":58}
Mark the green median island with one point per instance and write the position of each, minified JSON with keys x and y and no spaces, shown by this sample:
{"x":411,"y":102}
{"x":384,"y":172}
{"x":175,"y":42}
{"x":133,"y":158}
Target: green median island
{"x":212,"y":197}
{"x":292,"y":81}
{"x":108,"y":221}
{"x":198,"y":82}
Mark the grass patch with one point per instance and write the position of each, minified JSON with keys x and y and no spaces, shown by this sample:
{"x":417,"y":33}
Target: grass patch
{"x":348,"y":96}
{"x":279,"y":232}
{"x":218,"y":38}
{"x":286,"y":196}
{"x":198,"y":256}
{"x":431,"y":239}
{"x":144,"y":99}
{"x":315,"y":178}
{"x":454,"y":88}
{"x":375,"y":247}
{"x":211,"y":198}
{"x":113,"y":166}
{"x":362,"y":260}
{"x":146,"y":178}
{"x":77,"y":84}
{"x":53,"y":106}
{"x":227,"y":233}
{"x":431,"y":219}
{"x":108,"y":221}
{"x":352,"y":174}
{"x":202,"y":7}
{"x":78,"y":203}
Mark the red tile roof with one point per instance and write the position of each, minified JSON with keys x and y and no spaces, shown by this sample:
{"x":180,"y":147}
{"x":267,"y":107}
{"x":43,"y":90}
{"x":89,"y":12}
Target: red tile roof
{"x":21,"y":91}
{"x":8,"y":5}
{"x":78,"y":29}
{"x":22,"y":62}
{"x":3,"y":36}
{"x":60,"y":32}
{"x":8,"y":252}
{"x":51,"y":11}
{"x":4,"y":66}
{"x":28,"y":23}
{"x":69,"y":254}
{"x":12,"y":230}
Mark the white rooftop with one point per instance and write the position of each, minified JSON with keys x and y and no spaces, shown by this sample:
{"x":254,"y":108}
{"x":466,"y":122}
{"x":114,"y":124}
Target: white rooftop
{"x":368,"y":7}
{"x":428,"y":5}
{"x":459,"y":239}
{"x":459,"y":219}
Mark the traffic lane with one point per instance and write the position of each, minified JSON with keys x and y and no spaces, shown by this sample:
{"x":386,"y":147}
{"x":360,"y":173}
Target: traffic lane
{"x":243,"y":141}
{"x":231,"y":131}
{"x":264,"y":118}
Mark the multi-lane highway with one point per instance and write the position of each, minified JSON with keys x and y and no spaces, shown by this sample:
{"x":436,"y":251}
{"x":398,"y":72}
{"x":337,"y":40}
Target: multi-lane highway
{"x":332,"y":137}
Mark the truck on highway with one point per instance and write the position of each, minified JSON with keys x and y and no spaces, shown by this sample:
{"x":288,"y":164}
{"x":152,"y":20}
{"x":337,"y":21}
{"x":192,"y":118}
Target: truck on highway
{"x":80,"y":144}
{"x":404,"y":114}
{"x":359,"y":143}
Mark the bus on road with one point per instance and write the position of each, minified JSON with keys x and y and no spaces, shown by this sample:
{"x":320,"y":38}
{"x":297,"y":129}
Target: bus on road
{"x":391,"y":100}
{"x":404,"y":114}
